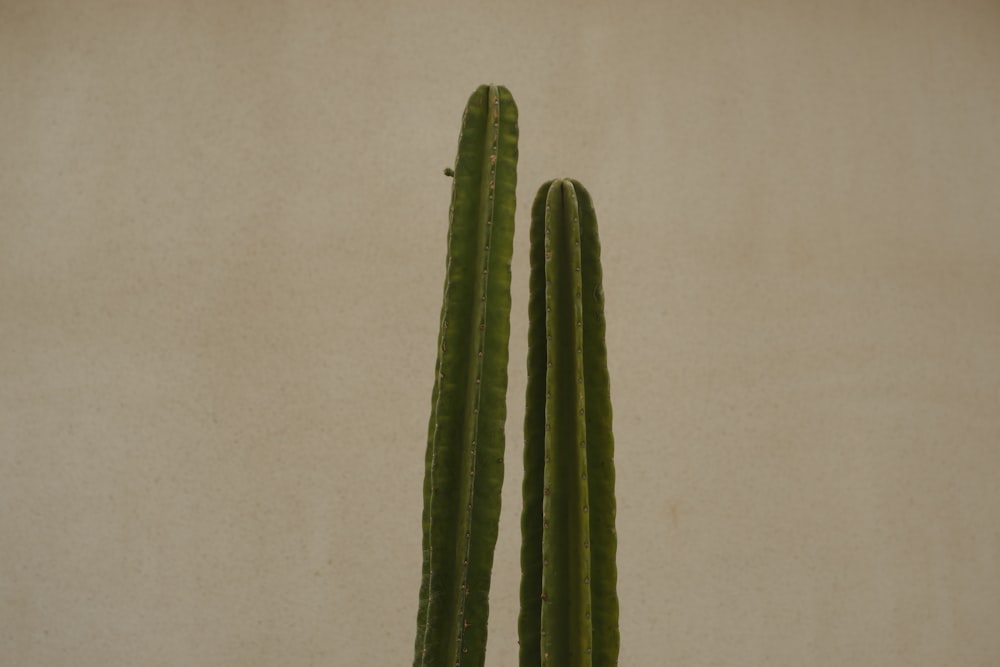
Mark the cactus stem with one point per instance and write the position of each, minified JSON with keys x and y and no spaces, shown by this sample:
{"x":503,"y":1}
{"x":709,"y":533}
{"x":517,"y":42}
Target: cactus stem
{"x":569,"y":605}
{"x":465,"y":436}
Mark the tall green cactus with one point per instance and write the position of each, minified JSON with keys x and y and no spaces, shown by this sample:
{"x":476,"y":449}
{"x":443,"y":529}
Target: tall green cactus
{"x":569,"y":599}
{"x":464,"y":460}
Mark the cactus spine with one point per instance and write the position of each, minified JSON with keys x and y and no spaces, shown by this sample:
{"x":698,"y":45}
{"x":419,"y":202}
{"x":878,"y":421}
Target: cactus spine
{"x":464,"y":460}
{"x":569,"y":600}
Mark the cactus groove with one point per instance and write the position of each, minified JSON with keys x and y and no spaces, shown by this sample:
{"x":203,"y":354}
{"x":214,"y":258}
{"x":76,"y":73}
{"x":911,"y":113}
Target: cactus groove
{"x":569,"y":600}
{"x":464,"y":459}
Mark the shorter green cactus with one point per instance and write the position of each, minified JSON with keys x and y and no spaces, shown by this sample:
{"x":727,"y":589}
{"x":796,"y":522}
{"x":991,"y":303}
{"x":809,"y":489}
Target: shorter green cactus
{"x":569,"y":600}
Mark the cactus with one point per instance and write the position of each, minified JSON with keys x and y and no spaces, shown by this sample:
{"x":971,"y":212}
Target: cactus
{"x":464,"y":459}
{"x":569,"y":600}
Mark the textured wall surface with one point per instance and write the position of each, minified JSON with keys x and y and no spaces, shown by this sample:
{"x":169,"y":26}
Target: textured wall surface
{"x":222,"y":240}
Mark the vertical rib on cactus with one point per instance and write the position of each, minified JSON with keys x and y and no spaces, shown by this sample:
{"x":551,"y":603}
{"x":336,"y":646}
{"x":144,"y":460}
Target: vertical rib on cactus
{"x":464,"y":460}
{"x":569,"y":601}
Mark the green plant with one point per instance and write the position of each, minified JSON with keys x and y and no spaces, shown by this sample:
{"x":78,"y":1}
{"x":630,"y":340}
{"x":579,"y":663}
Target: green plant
{"x":569,"y":600}
{"x":464,"y":459}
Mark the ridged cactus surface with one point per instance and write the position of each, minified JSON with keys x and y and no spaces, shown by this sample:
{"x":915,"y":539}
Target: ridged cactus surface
{"x":569,"y":600}
{"x":464,"y":461}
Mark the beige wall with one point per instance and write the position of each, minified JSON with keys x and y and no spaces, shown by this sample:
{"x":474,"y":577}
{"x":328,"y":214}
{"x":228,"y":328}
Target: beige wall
{"x":222,"y":235}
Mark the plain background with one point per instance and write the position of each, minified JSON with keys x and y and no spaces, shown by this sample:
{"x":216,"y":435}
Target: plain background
{"x":222,"y":242}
